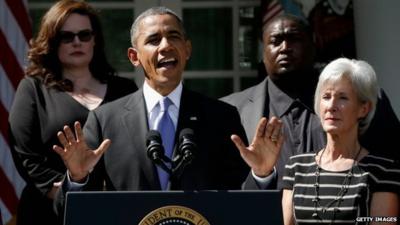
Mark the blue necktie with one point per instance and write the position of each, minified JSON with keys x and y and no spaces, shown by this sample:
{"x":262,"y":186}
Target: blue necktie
{"x":167,"y":130}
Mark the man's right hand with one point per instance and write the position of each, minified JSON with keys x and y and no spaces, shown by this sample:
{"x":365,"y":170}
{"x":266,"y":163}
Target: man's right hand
{"x":77,"y":156}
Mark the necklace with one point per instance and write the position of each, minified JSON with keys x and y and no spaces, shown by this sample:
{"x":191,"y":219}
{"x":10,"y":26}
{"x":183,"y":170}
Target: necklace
{"x":339,"y":196}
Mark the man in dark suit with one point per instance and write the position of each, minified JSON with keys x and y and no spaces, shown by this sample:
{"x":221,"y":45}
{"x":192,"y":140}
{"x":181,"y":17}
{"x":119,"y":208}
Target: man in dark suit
{"x":160,"y":46}
{"x":288,"y":91}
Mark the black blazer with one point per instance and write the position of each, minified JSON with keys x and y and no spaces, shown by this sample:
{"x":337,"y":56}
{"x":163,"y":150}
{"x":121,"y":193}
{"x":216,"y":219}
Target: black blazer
{"x":37,"y":114}
{"x":125,"y":165}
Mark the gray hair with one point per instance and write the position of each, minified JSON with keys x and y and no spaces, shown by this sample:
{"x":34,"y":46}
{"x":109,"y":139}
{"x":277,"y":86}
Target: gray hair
{"x":363,"y":79}
{"x":160,"y":10}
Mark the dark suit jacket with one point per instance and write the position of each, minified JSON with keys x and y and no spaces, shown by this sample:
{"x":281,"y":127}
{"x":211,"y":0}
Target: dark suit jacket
{"x":125,"y":165}
{"x":251,"y":105}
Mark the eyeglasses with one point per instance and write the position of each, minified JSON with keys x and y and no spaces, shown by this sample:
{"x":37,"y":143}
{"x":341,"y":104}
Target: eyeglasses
{"x":68,"y":36}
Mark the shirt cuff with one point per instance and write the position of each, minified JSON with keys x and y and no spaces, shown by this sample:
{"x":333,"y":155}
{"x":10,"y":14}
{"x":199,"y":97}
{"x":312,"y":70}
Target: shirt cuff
{"x":74,"y":186}
{"x":264,"y":182}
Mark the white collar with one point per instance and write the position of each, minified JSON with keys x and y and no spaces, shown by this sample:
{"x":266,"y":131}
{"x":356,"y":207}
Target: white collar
{"x":152,"y":97}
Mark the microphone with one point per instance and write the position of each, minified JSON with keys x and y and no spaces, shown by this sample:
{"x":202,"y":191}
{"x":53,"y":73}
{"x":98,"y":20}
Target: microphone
{"x":186,"y":151}
{"x":155,"y":150}
{"x":187,"y":147}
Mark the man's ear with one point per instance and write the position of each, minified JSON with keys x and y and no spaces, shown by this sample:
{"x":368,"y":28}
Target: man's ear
{"x":188,"y":49}
{"x":133,"y":56}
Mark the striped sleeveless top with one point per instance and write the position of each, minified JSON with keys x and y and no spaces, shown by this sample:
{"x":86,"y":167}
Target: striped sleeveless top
{"x":341,"y":199}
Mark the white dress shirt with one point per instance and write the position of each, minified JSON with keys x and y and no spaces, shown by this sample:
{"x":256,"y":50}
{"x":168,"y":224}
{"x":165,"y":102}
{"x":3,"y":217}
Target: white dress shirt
{"x":152,"y":97}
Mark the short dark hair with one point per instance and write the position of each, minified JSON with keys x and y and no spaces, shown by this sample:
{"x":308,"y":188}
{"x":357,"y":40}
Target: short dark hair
{"x":160,"y":10}
{"x":302,"y":23}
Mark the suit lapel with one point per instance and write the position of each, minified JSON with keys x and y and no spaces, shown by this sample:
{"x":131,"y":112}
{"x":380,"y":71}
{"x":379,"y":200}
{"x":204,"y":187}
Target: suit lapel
{"x":254,"y":110}
{"x":189,"y":113}
{"x":135,"y":121}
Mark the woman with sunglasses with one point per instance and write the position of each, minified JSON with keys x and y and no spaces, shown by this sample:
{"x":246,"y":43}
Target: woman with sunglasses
{"x":67,"y":76}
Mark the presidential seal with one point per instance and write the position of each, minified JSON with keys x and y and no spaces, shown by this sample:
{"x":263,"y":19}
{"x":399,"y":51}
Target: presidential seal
{"x":174,"y":215}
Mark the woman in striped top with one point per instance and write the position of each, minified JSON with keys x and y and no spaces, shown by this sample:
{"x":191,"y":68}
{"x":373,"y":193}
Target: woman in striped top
{"x":342,"y":183}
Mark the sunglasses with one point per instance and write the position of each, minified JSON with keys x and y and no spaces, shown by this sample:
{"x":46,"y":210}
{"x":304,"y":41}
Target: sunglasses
{"x":68,"y":36}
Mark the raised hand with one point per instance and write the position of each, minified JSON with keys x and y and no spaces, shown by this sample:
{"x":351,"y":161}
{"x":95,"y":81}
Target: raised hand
{"x":263,"y":152}
{"x":77,"y":156}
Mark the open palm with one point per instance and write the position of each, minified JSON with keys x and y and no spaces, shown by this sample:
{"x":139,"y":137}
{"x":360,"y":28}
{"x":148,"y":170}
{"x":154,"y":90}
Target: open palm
{"x":263,"y":152}
{"x":77,"y":156}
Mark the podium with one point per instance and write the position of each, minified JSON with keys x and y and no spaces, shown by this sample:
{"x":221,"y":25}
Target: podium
{"x":174,"y":207}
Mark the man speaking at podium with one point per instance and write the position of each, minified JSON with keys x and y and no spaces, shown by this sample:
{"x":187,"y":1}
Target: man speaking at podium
{"x":161,"y":48}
